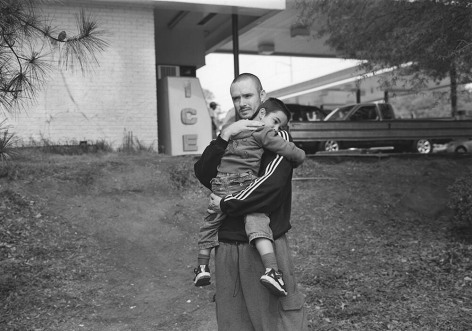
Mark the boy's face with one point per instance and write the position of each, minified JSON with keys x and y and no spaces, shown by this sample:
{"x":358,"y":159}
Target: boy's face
{"x":275,"y":120}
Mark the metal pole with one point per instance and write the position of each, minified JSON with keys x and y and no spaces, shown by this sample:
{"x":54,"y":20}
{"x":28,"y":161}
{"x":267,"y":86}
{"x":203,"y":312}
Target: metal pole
{"x":235,"y":53}
{"x":235,"y":44}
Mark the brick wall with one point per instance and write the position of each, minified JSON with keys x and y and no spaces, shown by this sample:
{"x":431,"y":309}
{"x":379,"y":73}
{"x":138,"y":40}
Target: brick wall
{"x":115,"y":99}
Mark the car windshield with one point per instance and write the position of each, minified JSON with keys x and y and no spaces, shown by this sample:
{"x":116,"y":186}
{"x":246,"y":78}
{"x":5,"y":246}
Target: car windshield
{"x":338,"y":114}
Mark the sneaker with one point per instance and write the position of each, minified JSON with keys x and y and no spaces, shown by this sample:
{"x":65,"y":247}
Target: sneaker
{"x":273,"y":281}
{"x":202,"y":275}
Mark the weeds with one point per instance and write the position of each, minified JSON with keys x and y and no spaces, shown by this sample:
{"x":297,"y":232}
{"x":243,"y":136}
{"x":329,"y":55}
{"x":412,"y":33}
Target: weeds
{"x":7,"y":142}
{"x":9,"y":145}
{"x":72,"y":147}
{"x":132,"y":144}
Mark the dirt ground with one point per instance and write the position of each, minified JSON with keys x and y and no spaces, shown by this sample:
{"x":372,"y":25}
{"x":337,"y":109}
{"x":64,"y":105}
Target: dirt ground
{"x":144,"y":231}
{"x":139,"y":217}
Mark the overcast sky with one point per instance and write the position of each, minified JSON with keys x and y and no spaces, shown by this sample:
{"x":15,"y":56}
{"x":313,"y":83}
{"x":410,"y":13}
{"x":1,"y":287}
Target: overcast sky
{"x":274,"y":71}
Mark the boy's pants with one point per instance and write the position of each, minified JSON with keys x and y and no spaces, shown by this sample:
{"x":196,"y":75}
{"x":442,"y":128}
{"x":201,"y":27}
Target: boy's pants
{"x":256,"y":224}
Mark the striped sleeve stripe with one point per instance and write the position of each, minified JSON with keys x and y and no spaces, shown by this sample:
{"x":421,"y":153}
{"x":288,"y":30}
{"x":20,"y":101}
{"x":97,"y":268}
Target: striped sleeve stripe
{"x":243,"y":194}
{"x":284,"y":134}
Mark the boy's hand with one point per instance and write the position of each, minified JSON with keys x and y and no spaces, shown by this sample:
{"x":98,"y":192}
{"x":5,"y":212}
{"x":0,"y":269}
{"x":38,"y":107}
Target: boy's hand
{"x":214,"y":206}
{"x":238,"y":127}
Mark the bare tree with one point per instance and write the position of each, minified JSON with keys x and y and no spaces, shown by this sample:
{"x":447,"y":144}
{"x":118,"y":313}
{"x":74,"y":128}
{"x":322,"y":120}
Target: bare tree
{"x":27,"y":41}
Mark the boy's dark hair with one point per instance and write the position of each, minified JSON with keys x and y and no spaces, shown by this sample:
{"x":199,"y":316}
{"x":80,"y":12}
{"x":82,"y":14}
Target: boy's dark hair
{"x":271,"y":105}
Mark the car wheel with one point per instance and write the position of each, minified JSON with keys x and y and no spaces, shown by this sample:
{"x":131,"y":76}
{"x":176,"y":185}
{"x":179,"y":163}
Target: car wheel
{"x":423,"y":146}
{"x":460,"y":150}
{"x":331,"y":146}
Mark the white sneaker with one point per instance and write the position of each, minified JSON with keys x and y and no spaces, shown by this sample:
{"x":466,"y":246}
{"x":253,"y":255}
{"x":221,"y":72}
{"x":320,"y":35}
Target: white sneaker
{"x":202,"y":275}
{"x":274,"y":282}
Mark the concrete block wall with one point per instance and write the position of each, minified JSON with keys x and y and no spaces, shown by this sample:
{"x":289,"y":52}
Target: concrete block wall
{"x":114,"y":100}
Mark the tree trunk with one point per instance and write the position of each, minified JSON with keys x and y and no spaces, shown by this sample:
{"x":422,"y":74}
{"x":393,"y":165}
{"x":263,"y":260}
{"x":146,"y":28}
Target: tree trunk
{"x":453,"y":78}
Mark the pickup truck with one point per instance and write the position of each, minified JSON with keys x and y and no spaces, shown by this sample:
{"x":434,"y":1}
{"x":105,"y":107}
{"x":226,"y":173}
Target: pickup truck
{"x":368,"y":125}
{"x":307,"y":113}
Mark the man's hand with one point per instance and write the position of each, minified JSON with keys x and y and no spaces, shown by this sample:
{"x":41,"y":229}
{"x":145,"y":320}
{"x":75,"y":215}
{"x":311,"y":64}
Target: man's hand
{"x":214,"y":206}
{"x":238,"y":127}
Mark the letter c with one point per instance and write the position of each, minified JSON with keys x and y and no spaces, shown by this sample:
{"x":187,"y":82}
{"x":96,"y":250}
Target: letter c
{"x":188,"y":116}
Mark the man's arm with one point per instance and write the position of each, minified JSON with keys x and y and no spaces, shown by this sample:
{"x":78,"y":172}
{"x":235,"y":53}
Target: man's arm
{"x":206,"y":166}
{"x":266,"y":193}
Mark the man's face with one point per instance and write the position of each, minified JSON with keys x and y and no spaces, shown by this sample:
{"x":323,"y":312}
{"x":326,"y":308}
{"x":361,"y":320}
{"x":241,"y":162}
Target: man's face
{"x":246,"y":97}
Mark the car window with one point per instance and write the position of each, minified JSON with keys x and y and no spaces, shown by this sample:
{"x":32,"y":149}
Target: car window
{"x":339,"y":113}
{"x":387,"y":112}
{"x":365,"y":113}
{"x":303,"y":113}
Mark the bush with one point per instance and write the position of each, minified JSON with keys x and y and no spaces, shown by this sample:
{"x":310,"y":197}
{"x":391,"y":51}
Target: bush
{"x":72,"y":147}
{"x":461,"y":198}
{"x":132,"y":144}
{"x":7,"y":140}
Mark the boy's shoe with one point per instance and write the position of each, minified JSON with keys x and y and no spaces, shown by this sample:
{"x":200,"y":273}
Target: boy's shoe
{"x":202,"y":275}
{"x":274,"y":282}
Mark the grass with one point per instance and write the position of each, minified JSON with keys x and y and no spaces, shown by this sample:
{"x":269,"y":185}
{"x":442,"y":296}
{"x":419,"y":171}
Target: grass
{"x":45,"y":267}
{"x":375,"y":245}
{"x":370,"y":263}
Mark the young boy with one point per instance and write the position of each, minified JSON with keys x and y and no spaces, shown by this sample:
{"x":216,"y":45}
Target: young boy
{"x":237,"y":173}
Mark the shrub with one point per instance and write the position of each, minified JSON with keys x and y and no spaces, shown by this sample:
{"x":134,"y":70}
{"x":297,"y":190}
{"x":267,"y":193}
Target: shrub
{"x":72,"y":147}
{"x":103,"y":146}
{"x":461,"y":198}
{"x":132,"y":144}
{"x":7,"y":142}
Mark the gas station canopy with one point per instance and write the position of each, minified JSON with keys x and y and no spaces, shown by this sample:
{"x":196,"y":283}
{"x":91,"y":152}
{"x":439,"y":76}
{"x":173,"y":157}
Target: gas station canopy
{"x":263,"y":26}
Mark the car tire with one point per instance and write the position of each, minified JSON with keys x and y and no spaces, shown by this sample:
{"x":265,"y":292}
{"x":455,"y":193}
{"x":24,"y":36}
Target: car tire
{"x":460,"y":150}
{"x":423,"y":146}
{"x":331,"y":146}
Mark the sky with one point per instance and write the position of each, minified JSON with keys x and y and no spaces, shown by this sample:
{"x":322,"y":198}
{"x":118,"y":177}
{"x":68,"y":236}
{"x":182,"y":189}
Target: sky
{"x":274,"y":72}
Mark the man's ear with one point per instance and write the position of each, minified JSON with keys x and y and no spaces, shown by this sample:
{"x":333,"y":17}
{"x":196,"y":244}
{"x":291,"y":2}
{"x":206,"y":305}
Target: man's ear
{"x":263,"y":95}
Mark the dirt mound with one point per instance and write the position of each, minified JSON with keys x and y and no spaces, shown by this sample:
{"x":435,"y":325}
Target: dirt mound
{"x":143,"y":213}
{"x":108,"y":242}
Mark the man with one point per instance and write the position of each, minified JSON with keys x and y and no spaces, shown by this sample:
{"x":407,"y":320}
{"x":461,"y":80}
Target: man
{"x":212,"y":111}
{"x":242,"y":303}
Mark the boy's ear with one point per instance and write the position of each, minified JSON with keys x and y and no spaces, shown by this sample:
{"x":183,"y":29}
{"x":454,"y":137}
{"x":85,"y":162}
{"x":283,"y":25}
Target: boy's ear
{"x":262,"y":113}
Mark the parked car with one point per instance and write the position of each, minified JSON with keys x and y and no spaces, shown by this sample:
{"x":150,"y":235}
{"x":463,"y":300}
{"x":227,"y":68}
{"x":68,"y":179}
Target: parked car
{"x":368,"y":125}
{"x":303,"y":113}
{"x":459,"y":146}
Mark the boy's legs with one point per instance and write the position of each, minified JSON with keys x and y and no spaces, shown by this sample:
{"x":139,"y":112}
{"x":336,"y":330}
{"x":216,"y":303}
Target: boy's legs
{"x":260,"y":235}
{"x":208,"y":238}
{"x":221,"y":185}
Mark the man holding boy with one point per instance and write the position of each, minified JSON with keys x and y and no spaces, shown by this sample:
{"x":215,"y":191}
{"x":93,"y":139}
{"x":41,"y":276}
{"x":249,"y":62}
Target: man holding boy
{"x":241,"y":302}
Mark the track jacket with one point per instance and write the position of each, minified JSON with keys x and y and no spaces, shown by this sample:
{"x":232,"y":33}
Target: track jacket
{"x":244,"y":151}
{"x":271,"y":193}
